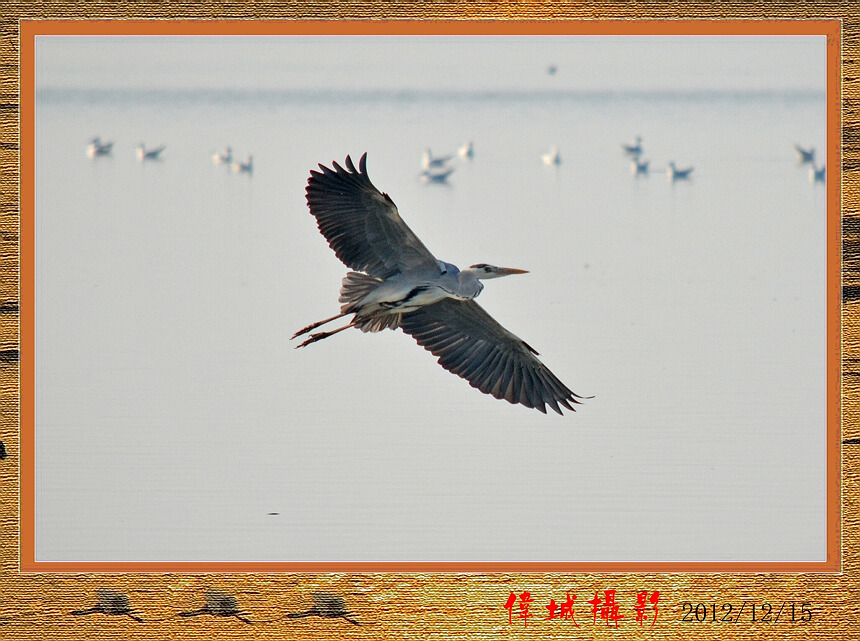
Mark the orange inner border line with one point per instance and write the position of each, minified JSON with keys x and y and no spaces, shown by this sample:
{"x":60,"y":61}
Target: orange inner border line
{"x":31,"y":29}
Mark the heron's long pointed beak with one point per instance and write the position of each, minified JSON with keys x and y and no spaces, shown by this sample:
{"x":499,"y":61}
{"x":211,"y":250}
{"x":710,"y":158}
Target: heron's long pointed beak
{"x":507,"y":271}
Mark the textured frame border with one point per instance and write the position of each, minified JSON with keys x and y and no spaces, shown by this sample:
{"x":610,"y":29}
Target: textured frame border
{"x":401,"y":604}
{"x":30,"y":30}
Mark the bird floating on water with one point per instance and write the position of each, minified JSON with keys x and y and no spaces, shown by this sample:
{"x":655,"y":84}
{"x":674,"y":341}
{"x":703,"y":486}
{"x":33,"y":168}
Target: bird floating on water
{"x":246,"y":167}
{"x":633,"y":149}
{"x":224,"y":158}
{"x":805,"y":155}
{"x":437,"y":177}
{"x":429,"y":161}
{"x":817,"y":174}
{"x":149,"y":154}
{"x":397,"y":282}
{"x":552,"y":157}
{"x":639,"y":167}
{"x":678,"y":174}
{"x":98,"y":148}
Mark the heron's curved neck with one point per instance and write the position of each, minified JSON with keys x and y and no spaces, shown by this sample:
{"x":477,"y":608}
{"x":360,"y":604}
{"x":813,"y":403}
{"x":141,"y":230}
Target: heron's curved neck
{"x":470,"y":286}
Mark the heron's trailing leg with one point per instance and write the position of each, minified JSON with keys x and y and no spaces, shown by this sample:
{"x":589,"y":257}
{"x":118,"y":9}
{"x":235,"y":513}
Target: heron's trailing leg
{"x":321,"y":335}
{"x":317,"y":324}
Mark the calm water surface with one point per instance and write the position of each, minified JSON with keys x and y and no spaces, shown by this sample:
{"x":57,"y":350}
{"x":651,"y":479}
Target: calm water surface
{"x":173,"y":414}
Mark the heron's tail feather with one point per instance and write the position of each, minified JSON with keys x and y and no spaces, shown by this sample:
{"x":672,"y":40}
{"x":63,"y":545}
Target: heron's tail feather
{"x":371,"y":318}
{"x":377,"y":322}
{"x":354,"y":288}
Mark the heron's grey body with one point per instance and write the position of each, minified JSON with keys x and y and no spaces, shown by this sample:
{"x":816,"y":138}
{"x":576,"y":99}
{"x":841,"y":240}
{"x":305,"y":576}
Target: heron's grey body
{"x":397,"y":282}
{"x":411,"y":290}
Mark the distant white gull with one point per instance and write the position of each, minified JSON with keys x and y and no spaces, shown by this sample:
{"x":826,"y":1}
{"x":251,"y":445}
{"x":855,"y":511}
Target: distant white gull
{"x":805,"y":155}
{"x":635,"y":149}
{"x":551,"y":157}
{"x":223,"y":158}
{"x":98,"y":148}
{"x":436,"y":177}
{"x":428,"y":161}
{"x":148,"y":154}
{"x":816,"y":174}
{"x":639,"y":167}
{"x":466,"y":151}
{"x":246,"y":167}
{"x":678,"y":174}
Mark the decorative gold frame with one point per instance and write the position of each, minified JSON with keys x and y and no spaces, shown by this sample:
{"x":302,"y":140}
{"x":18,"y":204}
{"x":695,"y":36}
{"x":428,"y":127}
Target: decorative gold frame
{"x":398,"y":604}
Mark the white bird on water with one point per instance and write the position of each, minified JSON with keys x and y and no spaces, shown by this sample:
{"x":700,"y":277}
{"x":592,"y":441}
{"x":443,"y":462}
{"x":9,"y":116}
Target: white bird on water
{"x":397,"y":282}
{"x":639,"y":167}
{"x":246,"y":167}
{"x":634,"y":149}
{"x":429,"y":161}
{"x":805,"y":155}
{"x":438,"y":177}
{"x":98,"y":148}
{"x":224,"y":158}
{"x":148,"y":154}
{"x":817,"y":174}
{"x":678,"y":174}
{"x":552,"y":157}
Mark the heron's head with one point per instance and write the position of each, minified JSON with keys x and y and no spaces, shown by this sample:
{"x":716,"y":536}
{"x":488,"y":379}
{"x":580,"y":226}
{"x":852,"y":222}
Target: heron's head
{"x":483,"y":271}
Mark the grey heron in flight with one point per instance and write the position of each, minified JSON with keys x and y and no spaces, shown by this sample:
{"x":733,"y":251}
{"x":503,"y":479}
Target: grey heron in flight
{"x":397,"y":282}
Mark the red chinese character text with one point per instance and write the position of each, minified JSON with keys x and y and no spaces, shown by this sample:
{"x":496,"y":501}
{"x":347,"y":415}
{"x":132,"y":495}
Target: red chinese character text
{"x":642,"y":603}
{"x":607,"y":609}
{"x":525,"y":599}
{"x":565,"y":610}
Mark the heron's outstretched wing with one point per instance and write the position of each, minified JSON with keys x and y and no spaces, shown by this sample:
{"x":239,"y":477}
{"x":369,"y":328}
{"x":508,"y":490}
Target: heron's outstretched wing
{"x":361,"y":224}
{"x":471,"y":344}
